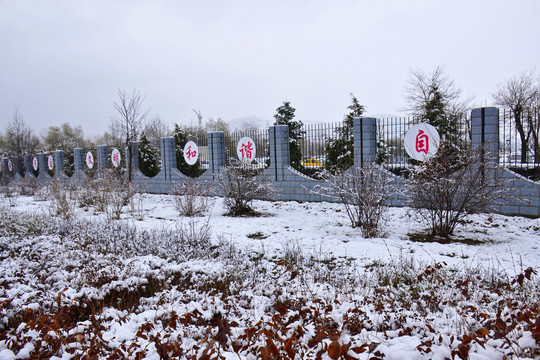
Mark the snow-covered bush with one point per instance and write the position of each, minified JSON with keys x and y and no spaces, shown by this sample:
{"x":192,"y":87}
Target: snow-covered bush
{"x":451,"y":185}
{"x":62,"y":199}
{"x":107,"y":192}
{"x":240,"y":185}
{"x":190,"y":198}
{"x":27,"y":186}
{"x":363,"y":192}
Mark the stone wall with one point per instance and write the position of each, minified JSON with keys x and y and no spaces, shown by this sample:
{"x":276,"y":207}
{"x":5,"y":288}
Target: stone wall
{"x":523,"y":198}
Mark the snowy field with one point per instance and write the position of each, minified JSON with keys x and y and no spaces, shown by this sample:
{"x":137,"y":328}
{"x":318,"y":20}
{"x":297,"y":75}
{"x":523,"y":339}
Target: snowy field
{"x":295,"y":282}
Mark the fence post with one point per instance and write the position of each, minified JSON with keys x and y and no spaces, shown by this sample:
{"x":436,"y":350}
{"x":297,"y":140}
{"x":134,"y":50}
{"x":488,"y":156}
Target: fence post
{"x":365,"y":141}
{"x":42,"y":166}
{"x":78,"y":164}
{"x":28,"y":169}
{"x":280,"y":156}
{"x":485,"y":132}
{"x":168,"y":156}
{"x":4,"y":168}
{"x":102,"y":157}
{"x":15,"y":163}
{"x":59,"y":164}
{"x":216,"y":151}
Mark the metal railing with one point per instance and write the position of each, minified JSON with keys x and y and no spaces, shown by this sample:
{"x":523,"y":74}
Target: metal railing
{"x":260,"y":147}
{"x":390,"y":140}
{"x":318,"y":146}
{"x":519,"y":141}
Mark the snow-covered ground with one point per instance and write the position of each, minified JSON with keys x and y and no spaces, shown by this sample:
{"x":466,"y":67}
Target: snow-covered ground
{"x":301,"y":277}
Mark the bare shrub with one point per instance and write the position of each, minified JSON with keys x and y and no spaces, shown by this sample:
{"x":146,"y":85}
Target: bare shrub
{"x":107,"y":193}
{"x":27,"y":186}
{"x":363,"y":192}
{"x":89,"y":194}
{"x":190,"y":198}
{"x":62,"y":200}
{"x":451,"y":185}
{"x":240,"y":185}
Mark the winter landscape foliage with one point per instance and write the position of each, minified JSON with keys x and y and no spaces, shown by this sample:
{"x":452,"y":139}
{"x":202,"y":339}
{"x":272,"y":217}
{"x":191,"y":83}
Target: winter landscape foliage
{"x":295,"y":282}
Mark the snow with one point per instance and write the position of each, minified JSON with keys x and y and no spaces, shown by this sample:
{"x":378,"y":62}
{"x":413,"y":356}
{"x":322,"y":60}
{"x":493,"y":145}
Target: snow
{"x":319,"y":231}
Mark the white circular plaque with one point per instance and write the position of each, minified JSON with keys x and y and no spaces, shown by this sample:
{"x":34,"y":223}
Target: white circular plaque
{"x":50,"y":162}
{"x":246,"y":150}
{"x":116,"y":158}
{"x":191,"y":152}
{"x":35,"y":163}
{"x":422,"y":141}
{"x":90,"y":160}
{"x":10,"y":166}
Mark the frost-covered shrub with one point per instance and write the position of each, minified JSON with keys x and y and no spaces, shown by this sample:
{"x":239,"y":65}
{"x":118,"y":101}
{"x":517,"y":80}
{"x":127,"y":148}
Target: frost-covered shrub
{"x":240,"y":185}
{"x":451,"y":185}
{"x":363,"y":192}
{"x":108,"y":192}
{"x":62,"y":200}
{"x":27,"y":186}
{"x":190,"y":198}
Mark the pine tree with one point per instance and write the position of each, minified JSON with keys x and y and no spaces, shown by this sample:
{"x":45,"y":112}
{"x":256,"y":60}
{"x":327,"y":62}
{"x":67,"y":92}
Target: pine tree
{"x":148,"y":157}
{"x":340,"y":150}
{"x":181,"y":138}
{"x":434,"y":98}
{"x":284,"y":116}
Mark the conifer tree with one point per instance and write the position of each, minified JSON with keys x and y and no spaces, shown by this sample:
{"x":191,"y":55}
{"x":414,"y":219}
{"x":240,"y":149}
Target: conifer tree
{"x":340,"y":150}
{"x":181,"y":137}
{"x":284,"y":116}
{"x":148,"y":157}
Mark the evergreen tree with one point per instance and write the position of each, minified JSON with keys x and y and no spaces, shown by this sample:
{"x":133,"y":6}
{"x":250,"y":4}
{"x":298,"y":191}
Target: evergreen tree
{"x":148,"y":157}
{"x":284,"y":116}
{"x":181,"y":137}
{"x":436,"y":100}
{"x":340,"y":150}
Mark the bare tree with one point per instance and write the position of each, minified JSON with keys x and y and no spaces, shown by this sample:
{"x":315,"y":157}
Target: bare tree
{"x":522,"y":95}
{"x":19,"y":139}
{"x":434,"y":97}
{"x":155,"y":129}
{"x":128,"y":121}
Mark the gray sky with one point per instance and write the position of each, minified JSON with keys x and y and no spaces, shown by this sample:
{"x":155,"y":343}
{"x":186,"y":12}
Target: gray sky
{"x":64,"y":60}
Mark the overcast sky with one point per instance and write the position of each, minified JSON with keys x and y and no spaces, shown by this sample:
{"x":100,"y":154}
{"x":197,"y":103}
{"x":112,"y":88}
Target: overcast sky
{"x":64,"y":60}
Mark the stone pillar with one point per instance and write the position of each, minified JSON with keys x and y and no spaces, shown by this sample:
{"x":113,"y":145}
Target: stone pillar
{"x":59,"y":164}
{"x":485,"y":132}
{"x":78,"y":160}
{"x":365,"y":141}
{"x":17,"y":170}
{"x":280,"y":157}
{"x":168,"y":156}
{"x":4,"y":168}
{"x":42,"y":167}
{"x":78,"y":165}
{"x":216,"y":151}
{"x":102,"y":157}
{"x":28,"y":166}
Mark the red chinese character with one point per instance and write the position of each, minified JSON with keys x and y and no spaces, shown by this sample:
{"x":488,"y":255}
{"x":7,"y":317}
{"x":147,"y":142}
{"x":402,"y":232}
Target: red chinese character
{"x":245,"y":150}
{"x":422,"y":142}
{"x":90,"y":160}
{"x":115,"y":159}
{"x":190,"y":153}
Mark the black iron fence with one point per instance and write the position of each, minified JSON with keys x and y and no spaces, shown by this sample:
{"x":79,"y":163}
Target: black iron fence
{"x":519,"y":148}
{"x":391,"y":134}
{"x":248,"y":147}
{"x":201,"y":139}
{"x":323,"y":147}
